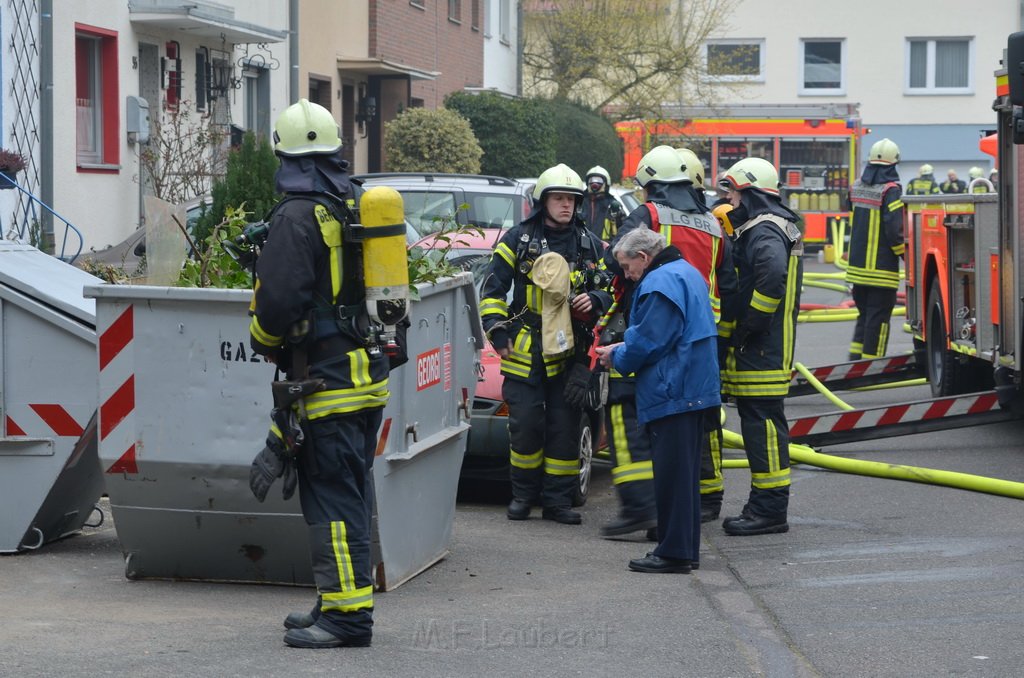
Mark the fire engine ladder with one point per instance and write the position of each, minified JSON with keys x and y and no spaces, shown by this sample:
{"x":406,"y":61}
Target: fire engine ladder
{"x":887,"y":421}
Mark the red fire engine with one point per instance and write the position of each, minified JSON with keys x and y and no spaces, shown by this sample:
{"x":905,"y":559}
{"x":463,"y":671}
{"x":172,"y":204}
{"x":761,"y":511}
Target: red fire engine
{"x":815,"y":147}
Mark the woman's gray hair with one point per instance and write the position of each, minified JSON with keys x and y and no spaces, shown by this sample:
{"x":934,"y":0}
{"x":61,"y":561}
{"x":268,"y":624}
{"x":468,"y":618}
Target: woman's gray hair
{"x":639,"y":240}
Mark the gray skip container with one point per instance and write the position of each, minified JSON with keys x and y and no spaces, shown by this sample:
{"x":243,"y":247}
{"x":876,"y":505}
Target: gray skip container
{"x":50,"y":478}
{"x":184,"y":407}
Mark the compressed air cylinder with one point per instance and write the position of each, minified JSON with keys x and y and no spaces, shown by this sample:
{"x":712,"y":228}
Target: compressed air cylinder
{"x":385,"y":264}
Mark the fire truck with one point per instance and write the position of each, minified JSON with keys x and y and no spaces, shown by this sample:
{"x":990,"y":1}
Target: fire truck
{"x":815,"y":147}
{"x":963,"y":265}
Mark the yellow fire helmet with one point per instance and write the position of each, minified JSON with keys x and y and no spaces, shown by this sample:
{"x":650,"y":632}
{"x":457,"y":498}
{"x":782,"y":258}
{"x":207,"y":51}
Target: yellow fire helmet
{"x":886,"y":152}
{"x":305,"y":128}
{"x":752,"y":173}
{"x":662,"y":163}
{"x":558,"y":179}
{"x":691,"y":165}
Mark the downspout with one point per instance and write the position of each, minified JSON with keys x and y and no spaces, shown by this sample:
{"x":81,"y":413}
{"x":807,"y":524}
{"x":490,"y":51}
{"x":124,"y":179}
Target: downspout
{"x":46,"y":122}
{"x":293,"y":51}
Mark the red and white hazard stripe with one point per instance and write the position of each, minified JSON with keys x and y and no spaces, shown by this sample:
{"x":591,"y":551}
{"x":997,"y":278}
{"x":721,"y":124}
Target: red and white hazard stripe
{"x":41,"y":420}
{"x":837,"y":422}
{"x":859,"y":368}
{"x":117,"y":391}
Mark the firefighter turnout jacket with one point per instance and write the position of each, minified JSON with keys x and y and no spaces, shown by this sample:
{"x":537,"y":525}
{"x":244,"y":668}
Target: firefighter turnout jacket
{"x":520,"y":321}
{"x":876,"y":236}
{"x":309,"y":296}
{"x":767,"y":252}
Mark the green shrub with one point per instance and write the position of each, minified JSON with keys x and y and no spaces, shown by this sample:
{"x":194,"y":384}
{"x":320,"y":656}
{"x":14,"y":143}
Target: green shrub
{"x":422,"y":140}
{"x":517,"y":135}
{"x":584,"y":138}
{"x":248,"y":180}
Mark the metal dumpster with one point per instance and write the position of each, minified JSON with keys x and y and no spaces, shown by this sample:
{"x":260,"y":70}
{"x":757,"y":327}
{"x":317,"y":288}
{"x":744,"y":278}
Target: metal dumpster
{"x":184,"y":407}
{"x":50,"y":477}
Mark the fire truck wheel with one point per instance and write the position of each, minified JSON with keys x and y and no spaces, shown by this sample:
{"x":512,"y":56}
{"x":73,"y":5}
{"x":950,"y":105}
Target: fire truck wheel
{"x":945,"y":373}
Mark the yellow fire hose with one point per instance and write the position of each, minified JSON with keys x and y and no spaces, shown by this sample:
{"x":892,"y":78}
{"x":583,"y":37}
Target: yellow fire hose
{"x":828,"y":315}
{"x":877,"y":469}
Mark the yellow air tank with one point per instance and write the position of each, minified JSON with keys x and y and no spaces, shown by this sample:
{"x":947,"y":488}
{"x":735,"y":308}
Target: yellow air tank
{"x":385,"y":264}
{"x":804,"y":201}
{"x":813,"y":203}
{"x":721,"y":213}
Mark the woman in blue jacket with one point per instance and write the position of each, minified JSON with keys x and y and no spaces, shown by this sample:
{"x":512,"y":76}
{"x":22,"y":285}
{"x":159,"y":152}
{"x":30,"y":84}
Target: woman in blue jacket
{"x":671,"y":346}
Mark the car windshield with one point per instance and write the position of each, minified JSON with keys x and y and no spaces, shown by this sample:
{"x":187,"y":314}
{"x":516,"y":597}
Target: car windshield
{"x":431,"y":211}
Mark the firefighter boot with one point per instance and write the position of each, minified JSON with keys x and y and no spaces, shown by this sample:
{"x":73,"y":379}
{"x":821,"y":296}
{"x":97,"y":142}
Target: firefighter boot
{"x":627,"y":524}
{"x":710,"y":506}
{"x":563,"y":515}
{"x":518,"y":510}
{"x":317,"y":637}
{"x":299,"y":620}
{"x":749,"y":525}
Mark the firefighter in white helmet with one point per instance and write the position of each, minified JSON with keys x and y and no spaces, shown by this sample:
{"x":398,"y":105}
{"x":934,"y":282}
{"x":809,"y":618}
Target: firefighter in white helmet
{"x":924,"y":183}
{"x":600,"y":209}
{"x":550,"y":263}
{"x":758,"y":366}
{"x":876,"y":248}
{"x":310,"y":317}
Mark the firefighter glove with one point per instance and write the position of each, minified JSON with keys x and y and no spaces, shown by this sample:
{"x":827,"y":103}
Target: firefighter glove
{"x":289,"y":479}
{"x":578,"y":385}
{"x":267,"y":467}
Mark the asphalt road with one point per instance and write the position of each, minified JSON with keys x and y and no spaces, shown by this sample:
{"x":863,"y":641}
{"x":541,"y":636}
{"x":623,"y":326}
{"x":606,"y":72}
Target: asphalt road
{"x":875,"y":578}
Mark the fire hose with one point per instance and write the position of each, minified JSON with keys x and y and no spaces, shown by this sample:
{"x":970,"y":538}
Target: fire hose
{"x":806,"y":455}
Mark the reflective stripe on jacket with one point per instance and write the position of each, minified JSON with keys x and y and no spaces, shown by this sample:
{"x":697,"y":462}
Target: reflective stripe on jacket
{"x":876,"y":235}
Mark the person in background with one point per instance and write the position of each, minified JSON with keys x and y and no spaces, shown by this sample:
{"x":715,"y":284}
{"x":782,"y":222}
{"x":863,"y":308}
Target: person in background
{"x":953,"y":184}
{"x":976,"y":186}
{"x":600,"y":209}
{"x":924,"y":183}
{"x":876,"y":248}
{"x":671,"y":346}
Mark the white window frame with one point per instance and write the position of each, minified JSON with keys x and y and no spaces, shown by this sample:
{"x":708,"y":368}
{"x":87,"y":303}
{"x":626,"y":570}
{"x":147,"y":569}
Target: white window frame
{"x":930,"y":88}
{"x":821,"y":91}
{"x":760,"y":77}
{"x":504,"y":21}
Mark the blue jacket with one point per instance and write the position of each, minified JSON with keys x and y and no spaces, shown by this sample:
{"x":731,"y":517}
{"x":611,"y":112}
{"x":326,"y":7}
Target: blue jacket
{"x":671,"y":341}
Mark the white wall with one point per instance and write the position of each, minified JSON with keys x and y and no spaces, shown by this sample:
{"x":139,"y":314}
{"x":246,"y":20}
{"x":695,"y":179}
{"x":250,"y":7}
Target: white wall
{"x":104,"y":206}
{"x":500,"y":58}
{"x":875,"y":69}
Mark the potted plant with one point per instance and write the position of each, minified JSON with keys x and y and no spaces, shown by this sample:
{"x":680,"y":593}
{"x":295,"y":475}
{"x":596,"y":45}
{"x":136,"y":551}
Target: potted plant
{"x":10,"y":164}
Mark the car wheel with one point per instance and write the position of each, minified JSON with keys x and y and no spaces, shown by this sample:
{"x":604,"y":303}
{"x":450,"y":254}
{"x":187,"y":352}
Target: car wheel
{"x":585,"y":439}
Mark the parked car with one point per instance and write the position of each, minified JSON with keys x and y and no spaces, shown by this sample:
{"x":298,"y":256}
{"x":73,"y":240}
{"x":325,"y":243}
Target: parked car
{"x":128,"y":254}
{"x":433,"y":200}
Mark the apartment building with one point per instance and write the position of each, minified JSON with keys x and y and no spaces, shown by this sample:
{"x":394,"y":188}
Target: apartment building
{"x":921,"y":71}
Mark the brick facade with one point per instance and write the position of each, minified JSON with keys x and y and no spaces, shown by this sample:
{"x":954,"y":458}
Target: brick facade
{"x":418,"y":33}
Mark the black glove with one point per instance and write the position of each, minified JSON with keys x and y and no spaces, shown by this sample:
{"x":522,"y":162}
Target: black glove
{"x":267,"y":467}
{"x":577,"y":385}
